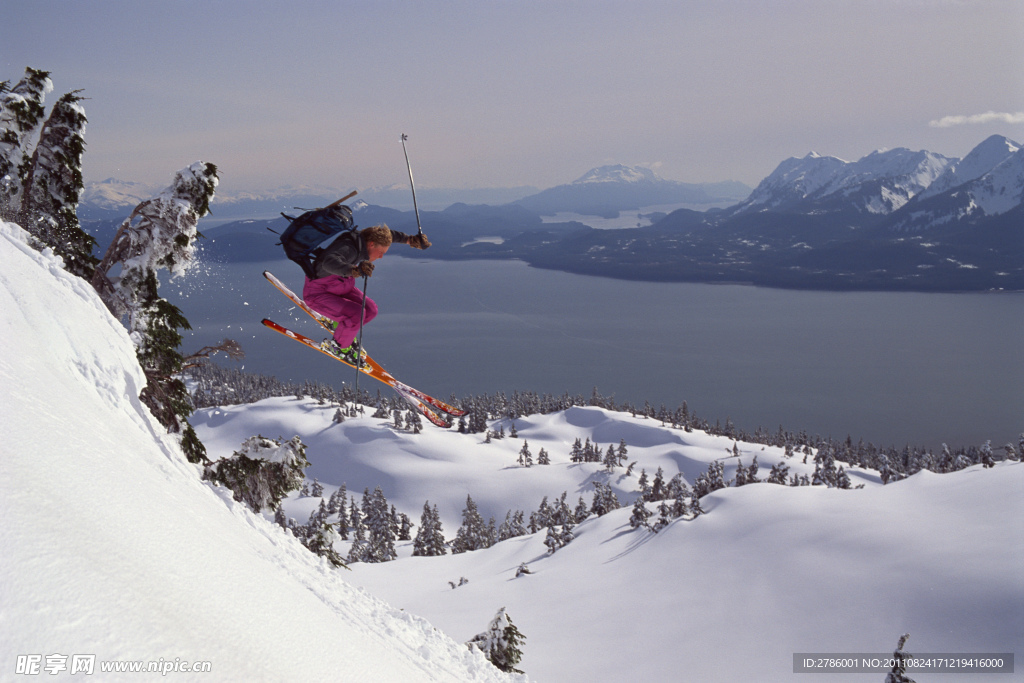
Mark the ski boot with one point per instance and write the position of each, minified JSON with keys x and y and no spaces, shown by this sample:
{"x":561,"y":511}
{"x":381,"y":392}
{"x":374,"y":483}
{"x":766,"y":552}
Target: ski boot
{"x":352,"y":354}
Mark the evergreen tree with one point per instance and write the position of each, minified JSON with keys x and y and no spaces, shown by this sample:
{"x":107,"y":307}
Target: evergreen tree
{"x":357,"y":552}
{"x":380,"y":531}
{"x":262,"y":472}
{"x":899,"y":667}
{"x":553,"y":540}
{"x":695,"y":507}
{"x":41,"y":176}
{"x":664,"y":516}
{"x":525,"y":458}
{"x":543,"y":458}
{"x":404,"y":527}
{"x":987,"y":458}
{"x":317,"y":490}
{"x":159,"y":233}
{"x":501,"y":643}
{"x":604,"y":500}
{"x":429,"y":540}
{"x":320,"y":539}
{"x":582,"y":511}
{"x":610,"y":459}
{"x":780,"y":471}
{"x":472,"y":535}
{"x":640,"y":514}
{"x":576,"y":454}
{"x":657,"y":487}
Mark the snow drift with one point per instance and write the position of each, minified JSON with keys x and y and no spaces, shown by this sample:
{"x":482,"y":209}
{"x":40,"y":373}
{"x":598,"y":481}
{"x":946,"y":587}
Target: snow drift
{"x":114,"y":547}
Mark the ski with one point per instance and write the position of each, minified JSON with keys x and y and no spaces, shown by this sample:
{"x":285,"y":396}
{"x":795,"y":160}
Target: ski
{"x":324,"y":322}
{"x":372,"y":369}
{"x":409,"y":393}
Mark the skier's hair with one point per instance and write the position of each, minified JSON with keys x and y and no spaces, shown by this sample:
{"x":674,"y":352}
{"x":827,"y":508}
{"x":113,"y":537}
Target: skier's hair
{"x":378,"y":234}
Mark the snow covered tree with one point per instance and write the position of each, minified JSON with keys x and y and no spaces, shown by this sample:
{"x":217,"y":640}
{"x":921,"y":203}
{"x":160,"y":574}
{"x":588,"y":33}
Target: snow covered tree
{"x":263,"y":472}
{"x":159,"y":233}
{"x":657,"y":487}
{"x":553,"y":540}
{"x":604,"y":500}
{"x":472,"y":535}
{"x":581,"y":512}
{"x":501,"y":643}
{"x":899,"y":667}
{"x":513,"y":526}
{"x":430,"y":537}
{"x":780,"y":471}
{"x":987,"y":457}
{"x":543,"y":458}
{"x":610,"y":459}
{"x":640,"y":514}
{"x":357,"y":552}
{"x":525,"y":457}
{"x":576,"y":454}
{"x":381,"y":533}
{"x":41,"y":178}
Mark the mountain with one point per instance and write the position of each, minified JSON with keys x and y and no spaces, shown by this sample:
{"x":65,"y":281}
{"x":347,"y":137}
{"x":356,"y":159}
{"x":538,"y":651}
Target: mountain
{"x":823,"y":223}
{"x":608,"y":190}
{"x":880,"y":183}
{"x":985,"y":188}
{"x":115,"y":549}
{"x":992,"y":152}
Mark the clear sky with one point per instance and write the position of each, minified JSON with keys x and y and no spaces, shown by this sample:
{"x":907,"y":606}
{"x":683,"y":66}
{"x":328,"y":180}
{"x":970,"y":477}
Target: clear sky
{"x":503,"y":93}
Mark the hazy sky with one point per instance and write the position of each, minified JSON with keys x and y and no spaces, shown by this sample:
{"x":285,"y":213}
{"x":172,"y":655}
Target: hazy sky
{"x":512,"y":93}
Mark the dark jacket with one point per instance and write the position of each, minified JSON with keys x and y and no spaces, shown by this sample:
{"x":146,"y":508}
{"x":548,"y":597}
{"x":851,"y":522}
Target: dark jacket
{"x":345,"y":253}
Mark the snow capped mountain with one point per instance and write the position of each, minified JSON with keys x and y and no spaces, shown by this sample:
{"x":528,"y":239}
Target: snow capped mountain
{"x":982,"y":159}
{"x":878,"y":183}
{"x":114,"y":194}
{"x":986,"y":184}
{"x":618,"y":174}
{"x":1001,"y":189}
{"x":607,"y":190}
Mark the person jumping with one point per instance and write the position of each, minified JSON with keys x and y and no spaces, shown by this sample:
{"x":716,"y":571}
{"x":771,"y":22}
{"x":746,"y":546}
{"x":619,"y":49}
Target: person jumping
{"x":333,"y":292}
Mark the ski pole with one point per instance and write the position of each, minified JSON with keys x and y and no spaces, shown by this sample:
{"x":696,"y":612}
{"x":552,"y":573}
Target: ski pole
{"x":359,"y":358}
{"x":412,"y":184}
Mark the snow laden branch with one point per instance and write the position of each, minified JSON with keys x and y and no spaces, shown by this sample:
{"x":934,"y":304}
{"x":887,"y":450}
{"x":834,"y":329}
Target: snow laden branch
{"x":159,"y":234}
{"x":500,"y":643}
{"x":41,"y":168}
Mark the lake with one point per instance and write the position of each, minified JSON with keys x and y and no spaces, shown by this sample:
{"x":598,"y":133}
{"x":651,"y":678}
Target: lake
{"x":891,"y":368}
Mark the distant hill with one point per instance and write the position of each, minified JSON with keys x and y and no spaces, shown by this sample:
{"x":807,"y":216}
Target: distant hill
{"x":608,"y":190}
{"x":824,"y":223}
{"x":893,"y":220}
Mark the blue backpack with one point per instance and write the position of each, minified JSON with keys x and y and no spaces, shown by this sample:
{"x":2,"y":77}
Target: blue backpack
{"x":311,"y":229}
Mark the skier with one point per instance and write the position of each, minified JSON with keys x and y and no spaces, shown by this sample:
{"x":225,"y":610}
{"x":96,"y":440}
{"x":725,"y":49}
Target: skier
{"x":333,"y":292}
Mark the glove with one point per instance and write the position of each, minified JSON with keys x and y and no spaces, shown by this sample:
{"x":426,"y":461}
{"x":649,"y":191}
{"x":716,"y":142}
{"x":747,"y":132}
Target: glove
{"x":364,"y":269}
{"x":419,"y":241}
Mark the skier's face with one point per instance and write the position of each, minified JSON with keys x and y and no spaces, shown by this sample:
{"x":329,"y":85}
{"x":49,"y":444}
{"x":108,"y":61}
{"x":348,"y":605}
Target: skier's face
{"x":375,"y":250}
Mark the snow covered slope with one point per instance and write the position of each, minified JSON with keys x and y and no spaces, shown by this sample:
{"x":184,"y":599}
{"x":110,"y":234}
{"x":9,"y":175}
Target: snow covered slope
{"x":730,"y":596}
{"x":113,"y":547}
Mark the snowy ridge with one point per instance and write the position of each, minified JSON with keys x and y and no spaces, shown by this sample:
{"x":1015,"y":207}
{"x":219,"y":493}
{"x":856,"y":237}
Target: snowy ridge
{"x":933,"y":189}
{"x":114,"y":194}
{"x":114,"y":547}
{"x":618,"y":173}
{"x":981,"y":160}
{"x":881,"y":182}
